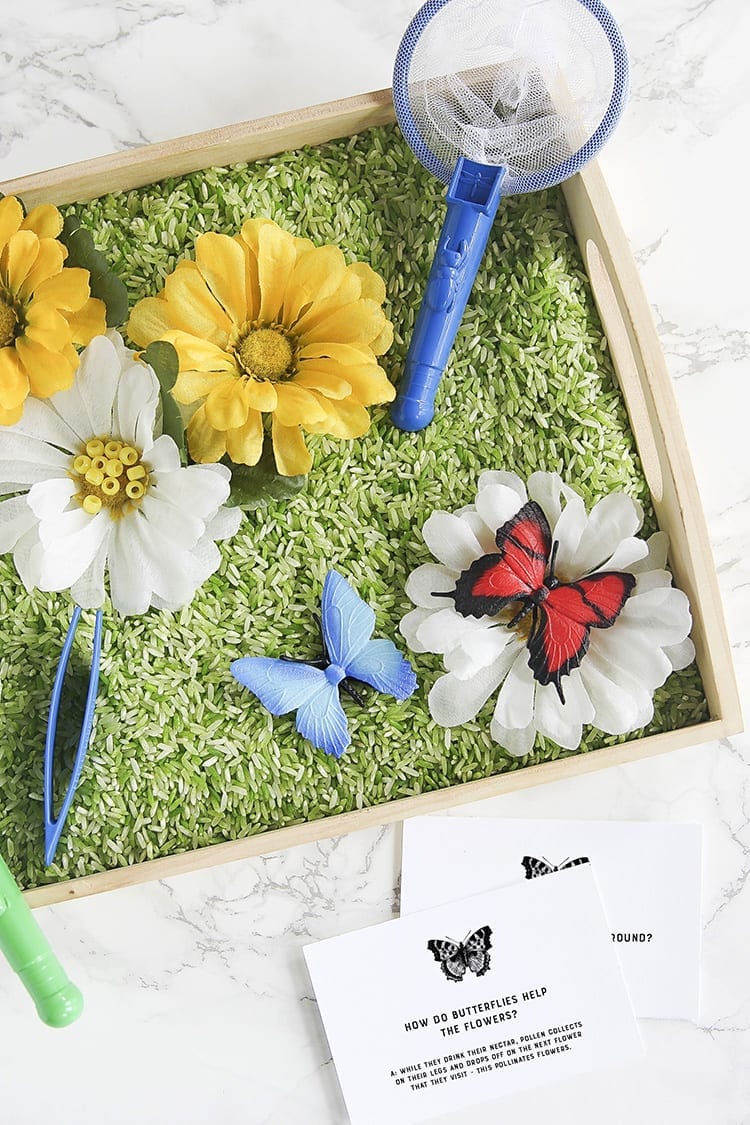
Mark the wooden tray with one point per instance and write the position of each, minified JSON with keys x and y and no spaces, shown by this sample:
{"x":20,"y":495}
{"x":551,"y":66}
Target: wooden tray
{"x":648,"y":394}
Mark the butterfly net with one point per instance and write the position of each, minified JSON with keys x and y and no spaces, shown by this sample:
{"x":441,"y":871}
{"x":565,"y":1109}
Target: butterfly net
{"x":509,"y":83}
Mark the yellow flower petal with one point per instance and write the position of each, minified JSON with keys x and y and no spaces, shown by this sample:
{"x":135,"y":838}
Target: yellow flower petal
{"x":346,"y":419}
{"x":48,"y":266}
{"x":11,"y":217}
{"x":14,"y":383}
{"x":382,"y":343}
{"x":10,"y":417}
{"x":226,"y":408}
{"x":18,"y":257}
{"x":367,"y":382}
{"x":276,"y":257}
{"x":346,"y":298}
{"x":198,"y":355}
{"x":47,"y":326}
{"x":222,"y":263}
{"x":316,"y":276}
{"x":248,"y":240}
{"x":67,"y":289}
{"x":88,"y":321}
{"x":290,"y":452}
{"x":342,"y":353}
{"x":192,"y":385}
{"x":150,"y":320}
{"x":320,"y":379}
{"x":206,"y":444}
{"x":48,"y":372}
{"x":245,"y":445}
{"x":356,"y":324}
{"x":297,"y":406}
{"x":260,"y":394}
{"x":372,"y":283}
{"x":45,"y":221}
{"x":192,"y":306}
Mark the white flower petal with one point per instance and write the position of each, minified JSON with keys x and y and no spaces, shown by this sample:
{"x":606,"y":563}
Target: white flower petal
{"x":622,"y":680}
{"x":626,"y":554}
{"x":614,"y":518}
{"x":663,"y":613}
{"x":453,"y":701}
{"x":163,"y":456}
{"x":181,"y":527}
{"x":616,"y":709}
{"x":135,"y":405}
{"x":451,"y":541}
{"x":195,"y":488}
{"x":632,"y":651}
{"x":548,"y":489}
{"x":563,"y":722}
{"x":28,"y":554}
{"x":96,"y":385}
{"x":444,"y":629}
{"x":41,"y":421}
{"x":88,"y":591}
{"x":656,"y":559}
{"x":476,"y":652}
{"x":429,"y":579}
{"x":16,"y":518}
{"x":130,"y":588}
{"x":409,"y":627}
{"x":70,"y":546}
{"x":507,"y":480}
{"x":496,"y":504}
{"x":224,"y":524}
{"x":567,"y":534}
{"x":652,"y":580}
{"x":25,"y":460}
{"x":515,"y":703}
{"x":485,"y":537}
{"x":518,"y":741}
{"x":50,"y":498}
{"x":680,"y":655}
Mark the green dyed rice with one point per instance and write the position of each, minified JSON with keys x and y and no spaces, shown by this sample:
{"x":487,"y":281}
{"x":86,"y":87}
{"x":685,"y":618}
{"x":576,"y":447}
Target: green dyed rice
{"x":182,"y":756}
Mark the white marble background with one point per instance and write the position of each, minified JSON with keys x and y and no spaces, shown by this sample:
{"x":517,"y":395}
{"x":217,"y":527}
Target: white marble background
{"x":198,"y":1008}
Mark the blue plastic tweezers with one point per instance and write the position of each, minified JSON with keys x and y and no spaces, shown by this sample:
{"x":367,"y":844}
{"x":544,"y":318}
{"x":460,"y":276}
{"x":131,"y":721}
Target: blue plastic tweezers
{"x":53,"y":825}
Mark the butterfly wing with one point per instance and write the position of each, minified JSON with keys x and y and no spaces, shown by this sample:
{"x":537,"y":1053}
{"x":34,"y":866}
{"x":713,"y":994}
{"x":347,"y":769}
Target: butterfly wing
{"x":573,"y":862}
{"x":516,"y":572}
{"x":347,"y":621}
{"x":382,"y":666}
{"x":450,"y":955}
{"x":559,"y":638}
{"x":477,"y":951}
{"x":534,"y":867}
{"x":322,"y":721}
{"x":280,"y":685}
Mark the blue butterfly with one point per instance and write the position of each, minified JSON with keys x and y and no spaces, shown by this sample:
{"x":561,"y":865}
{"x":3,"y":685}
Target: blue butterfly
{"x":312,"y":688}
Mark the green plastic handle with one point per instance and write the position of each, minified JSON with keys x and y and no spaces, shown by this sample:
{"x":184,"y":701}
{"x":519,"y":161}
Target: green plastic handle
{"x":57,"y":1000}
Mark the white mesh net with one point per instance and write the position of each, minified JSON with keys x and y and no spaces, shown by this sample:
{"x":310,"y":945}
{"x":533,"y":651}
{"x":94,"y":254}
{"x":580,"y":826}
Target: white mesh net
{"x":506,"y":82}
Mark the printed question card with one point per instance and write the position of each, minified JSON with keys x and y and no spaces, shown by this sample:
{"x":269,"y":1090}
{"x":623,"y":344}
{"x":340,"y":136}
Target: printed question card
{"x":467,"y":1001}
{"x":649,"y":875}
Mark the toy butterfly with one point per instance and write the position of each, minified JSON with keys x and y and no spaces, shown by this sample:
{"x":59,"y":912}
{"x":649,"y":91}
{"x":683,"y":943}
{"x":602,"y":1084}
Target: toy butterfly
{"x":311,"y":688}
{"x":536,"y":867}
{"x":455,"y":957}
{"x":563,"y":613}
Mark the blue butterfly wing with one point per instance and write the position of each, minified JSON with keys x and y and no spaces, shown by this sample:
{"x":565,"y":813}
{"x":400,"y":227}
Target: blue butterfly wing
{"x":280,"y":685}
{"x":322,"y":721}
{"x":348,"y":622}
{"x":381,"y":665}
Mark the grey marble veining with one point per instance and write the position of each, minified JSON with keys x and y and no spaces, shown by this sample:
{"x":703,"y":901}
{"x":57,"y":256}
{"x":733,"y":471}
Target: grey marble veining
{"x":198,"y":1006}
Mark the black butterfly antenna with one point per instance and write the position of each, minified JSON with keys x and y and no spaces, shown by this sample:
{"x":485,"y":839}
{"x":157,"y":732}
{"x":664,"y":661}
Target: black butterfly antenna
{"x":324,"y":660}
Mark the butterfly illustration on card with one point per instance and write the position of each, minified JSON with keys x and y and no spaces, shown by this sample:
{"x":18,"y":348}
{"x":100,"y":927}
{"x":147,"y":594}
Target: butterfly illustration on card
{"x":535,"y":867}
{"x":562,"y":613}
{"x":455,"y":957}
{"x":350,"y":659}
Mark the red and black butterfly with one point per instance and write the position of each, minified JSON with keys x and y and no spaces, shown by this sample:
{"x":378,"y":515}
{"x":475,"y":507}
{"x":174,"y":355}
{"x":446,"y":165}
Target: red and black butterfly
{"x":563,"y":613}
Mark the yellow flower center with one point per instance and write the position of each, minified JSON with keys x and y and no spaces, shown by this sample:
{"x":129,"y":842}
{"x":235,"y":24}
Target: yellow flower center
{"x":109,"y":474}
{"x":8,"y":323}
{"x":266,"y":353}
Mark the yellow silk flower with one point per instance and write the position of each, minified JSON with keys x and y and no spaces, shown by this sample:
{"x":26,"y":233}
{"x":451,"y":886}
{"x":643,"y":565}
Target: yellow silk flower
{"x":266,"y":323}
{"x":45,"y":308}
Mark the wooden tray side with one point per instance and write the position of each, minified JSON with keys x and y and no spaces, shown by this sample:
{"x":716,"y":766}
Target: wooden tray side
{"x":648,"y":394}
{"x":654,"y":416}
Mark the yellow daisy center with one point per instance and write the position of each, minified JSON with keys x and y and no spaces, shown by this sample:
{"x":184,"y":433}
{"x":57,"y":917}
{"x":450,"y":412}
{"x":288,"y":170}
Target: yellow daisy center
{"x":109,"y":474}
{"x":8,"y":323}
{"x":266,"y":353}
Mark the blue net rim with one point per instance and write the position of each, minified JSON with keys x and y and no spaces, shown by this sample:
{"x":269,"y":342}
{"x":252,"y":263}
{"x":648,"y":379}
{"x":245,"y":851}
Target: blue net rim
{"x":536,"y":181}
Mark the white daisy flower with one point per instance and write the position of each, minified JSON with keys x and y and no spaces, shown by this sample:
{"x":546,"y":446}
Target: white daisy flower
{"x":100,"y":489}
{"x":613,"y":686}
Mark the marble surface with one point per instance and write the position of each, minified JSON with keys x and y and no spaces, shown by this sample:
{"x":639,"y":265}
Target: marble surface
{"x":198,"y":1006}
